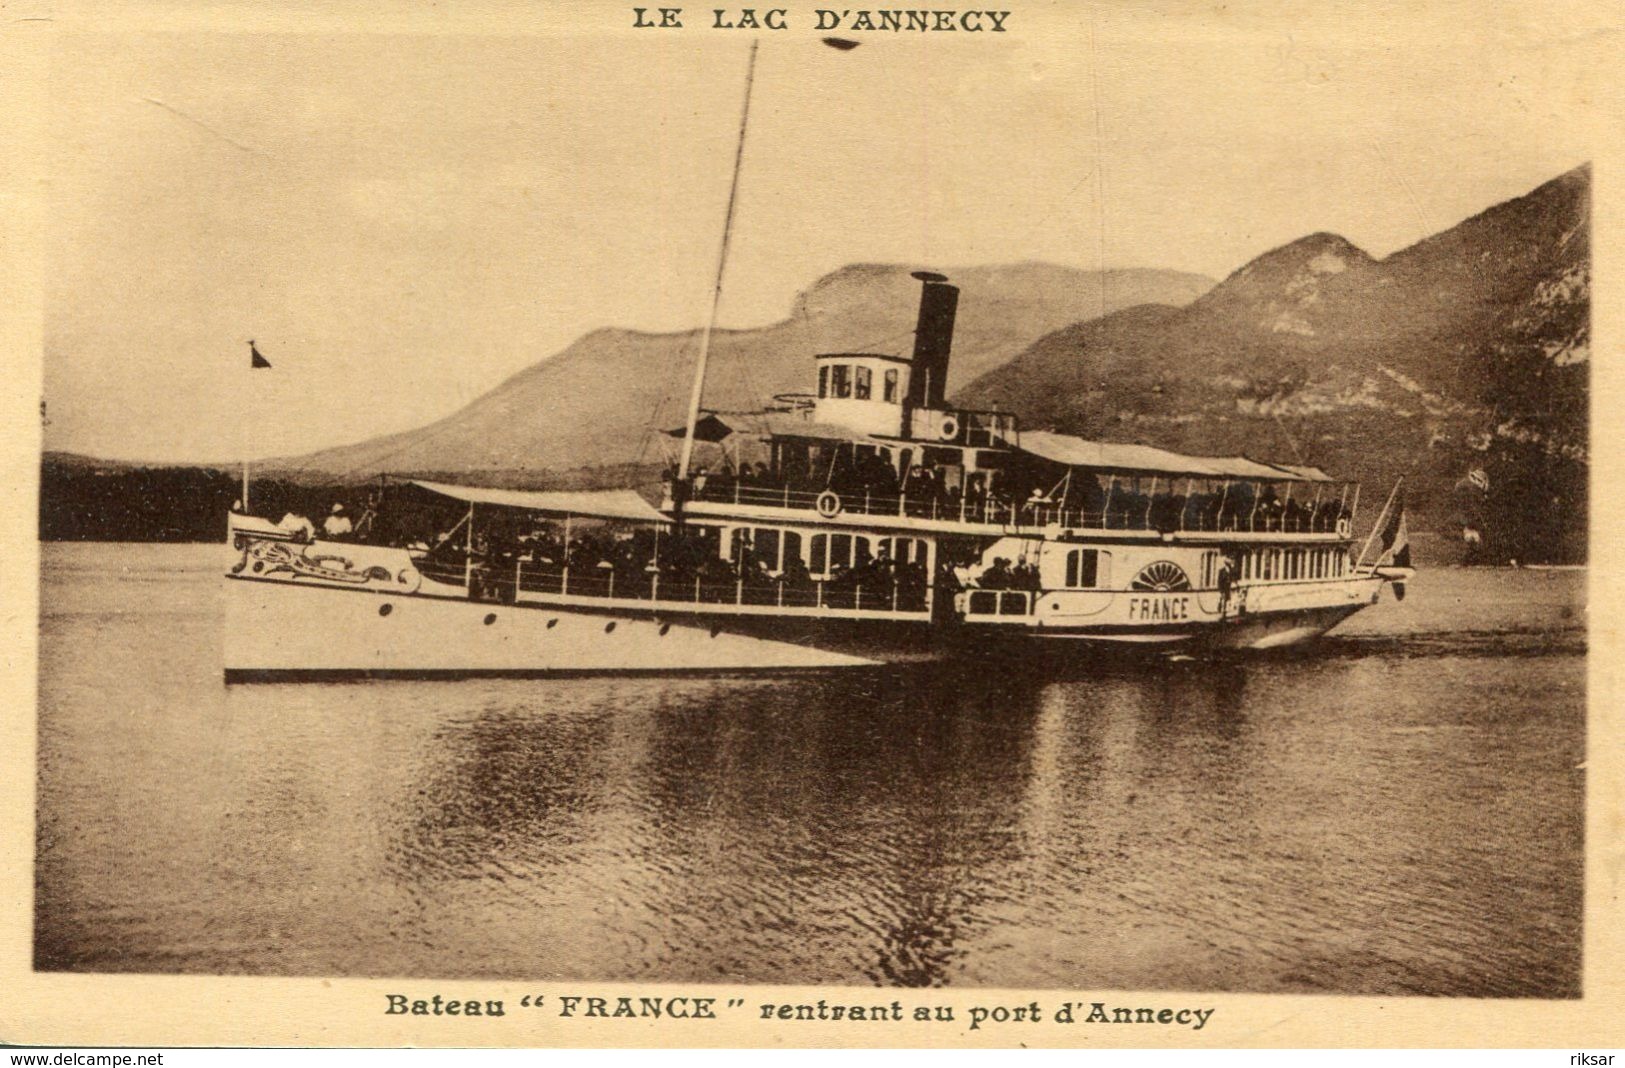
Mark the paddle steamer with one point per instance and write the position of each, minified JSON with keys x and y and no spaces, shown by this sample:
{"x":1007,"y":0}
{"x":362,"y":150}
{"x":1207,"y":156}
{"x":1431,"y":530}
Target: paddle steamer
{"x":867,"y":522}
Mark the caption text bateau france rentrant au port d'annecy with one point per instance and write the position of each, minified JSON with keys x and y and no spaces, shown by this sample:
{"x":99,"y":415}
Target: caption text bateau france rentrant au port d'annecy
{"x":570,"y":1006}
{"x":823,"y":19}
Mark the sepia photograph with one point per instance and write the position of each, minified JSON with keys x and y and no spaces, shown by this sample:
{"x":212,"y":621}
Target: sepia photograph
{"x":1087,"y":497}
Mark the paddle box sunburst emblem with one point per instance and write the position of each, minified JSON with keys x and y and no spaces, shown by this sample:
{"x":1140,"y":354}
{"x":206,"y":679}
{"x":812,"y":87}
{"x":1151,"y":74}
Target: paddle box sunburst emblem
{"x":1164,"y":576}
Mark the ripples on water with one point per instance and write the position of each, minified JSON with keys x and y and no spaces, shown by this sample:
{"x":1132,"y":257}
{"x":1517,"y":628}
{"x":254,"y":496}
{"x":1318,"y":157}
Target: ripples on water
{"x":1396,"y":810}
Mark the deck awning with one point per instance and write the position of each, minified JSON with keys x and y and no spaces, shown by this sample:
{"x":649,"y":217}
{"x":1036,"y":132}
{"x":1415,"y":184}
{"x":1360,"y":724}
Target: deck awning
{"x":709,"y":429}
{"x":593,"y":504}
{"x":1112,"y":456}
{"x":713,"y":428}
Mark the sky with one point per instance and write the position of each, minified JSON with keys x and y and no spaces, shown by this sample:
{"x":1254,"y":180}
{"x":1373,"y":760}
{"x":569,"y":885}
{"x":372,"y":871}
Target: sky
{"x":402,"y":216}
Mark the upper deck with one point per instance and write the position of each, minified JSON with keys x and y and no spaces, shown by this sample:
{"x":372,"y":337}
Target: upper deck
{"x":1188,"y":512}
{"x":878,"y":446}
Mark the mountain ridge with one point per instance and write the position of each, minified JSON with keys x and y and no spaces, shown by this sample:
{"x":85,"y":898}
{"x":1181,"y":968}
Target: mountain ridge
{"x":595,"y":402}
{"x":1464,"y":352}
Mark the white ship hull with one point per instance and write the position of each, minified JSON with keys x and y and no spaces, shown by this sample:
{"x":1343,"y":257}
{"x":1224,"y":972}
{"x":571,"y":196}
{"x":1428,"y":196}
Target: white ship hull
{"x":287,"y":630}
{"x":282,"y":629}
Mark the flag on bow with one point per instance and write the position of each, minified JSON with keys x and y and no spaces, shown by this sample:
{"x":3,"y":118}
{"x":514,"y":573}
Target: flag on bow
{"x":255,"y":360}
{"x":1396,"y":540}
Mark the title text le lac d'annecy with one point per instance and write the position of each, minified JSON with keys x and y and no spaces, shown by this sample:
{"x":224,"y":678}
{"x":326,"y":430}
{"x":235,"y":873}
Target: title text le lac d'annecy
{"x":824,"y":19}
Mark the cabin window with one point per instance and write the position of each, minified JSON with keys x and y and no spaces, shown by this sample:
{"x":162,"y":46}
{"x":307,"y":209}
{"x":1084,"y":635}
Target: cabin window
{"x":823,"y":381}
{"x":831,"y":551}
{"x":905,"y":550}
{"x":1082,"y":568}
{"x":860,"y":383}
{"x":766,"y":546}
{"x":890,"y":388}
{"x":840,"y":551}
{"x":840,"y":381}
{"x":766,"y":549}
{"x":1209,"y":570}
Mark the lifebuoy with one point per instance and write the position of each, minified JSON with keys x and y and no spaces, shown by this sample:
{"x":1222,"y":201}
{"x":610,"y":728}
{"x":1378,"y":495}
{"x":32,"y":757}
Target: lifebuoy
{"x":1344,"y":527}
{"x":829,"y":505}
{"x":948,"y":429}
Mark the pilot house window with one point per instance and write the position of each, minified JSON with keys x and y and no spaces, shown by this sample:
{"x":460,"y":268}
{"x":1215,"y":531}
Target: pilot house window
{"x":823,"y":381}
{"x":840,"y":384}
{"x":890,"y":396}
{"x":860,"y":386}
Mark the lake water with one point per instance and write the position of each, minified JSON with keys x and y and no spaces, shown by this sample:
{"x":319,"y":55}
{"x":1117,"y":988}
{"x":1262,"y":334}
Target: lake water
{"x":1396,"y":809}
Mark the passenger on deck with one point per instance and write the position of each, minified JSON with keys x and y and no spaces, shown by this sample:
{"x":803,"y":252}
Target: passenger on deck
{"x":1237,"y":510}
{"x":1036,"y":508}
{"x":975,"y":496}
{"x":337,"y":524}
{"x":1268,"y":514}
{"x":796,"y":576}
{"x":301,"y":528}
{"x":996,"y":577}
{"x":876,"y":477}
{"x":1227,"y":578}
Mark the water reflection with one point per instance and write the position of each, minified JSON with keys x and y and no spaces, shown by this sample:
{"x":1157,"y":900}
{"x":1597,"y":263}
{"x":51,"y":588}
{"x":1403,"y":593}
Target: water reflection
{"x":904,"y":828}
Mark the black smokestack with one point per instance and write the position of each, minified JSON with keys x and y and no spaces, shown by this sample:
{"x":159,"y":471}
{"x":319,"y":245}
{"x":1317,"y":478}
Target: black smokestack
{"x":933,"y":340}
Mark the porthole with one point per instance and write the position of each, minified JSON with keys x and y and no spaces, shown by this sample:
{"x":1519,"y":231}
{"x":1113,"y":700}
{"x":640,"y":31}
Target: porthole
{"x":665,"y":628}
{"x":609,"y":628}
{"x":552,"y":623}
{"x":715,"y":631}
{"x":385,"y":609}
{"x":490,"y":618}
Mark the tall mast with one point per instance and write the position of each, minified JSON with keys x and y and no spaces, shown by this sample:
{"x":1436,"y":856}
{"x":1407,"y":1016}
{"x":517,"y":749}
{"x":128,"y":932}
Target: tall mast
{"x":716,"y":290}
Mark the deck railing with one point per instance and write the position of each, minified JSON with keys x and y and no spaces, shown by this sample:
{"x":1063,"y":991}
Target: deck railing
{"x":1137,"y":512}
{"x":504,"y":582}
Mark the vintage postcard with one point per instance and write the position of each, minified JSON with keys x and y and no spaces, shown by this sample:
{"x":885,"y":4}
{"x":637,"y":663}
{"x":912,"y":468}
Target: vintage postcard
{"x":560,"y":524}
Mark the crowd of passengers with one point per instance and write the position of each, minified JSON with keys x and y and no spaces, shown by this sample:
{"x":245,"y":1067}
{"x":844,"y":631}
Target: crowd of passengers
{"x":602,"y":562}
{"x":1081,"y":501}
